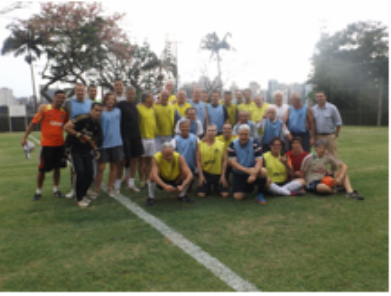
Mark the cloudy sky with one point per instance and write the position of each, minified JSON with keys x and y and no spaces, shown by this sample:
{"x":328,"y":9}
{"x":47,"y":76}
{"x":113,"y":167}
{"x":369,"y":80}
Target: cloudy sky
{"x":272,"y":40}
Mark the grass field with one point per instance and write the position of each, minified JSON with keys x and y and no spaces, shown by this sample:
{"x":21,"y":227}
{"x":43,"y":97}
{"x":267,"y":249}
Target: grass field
{"x":304,"y":243}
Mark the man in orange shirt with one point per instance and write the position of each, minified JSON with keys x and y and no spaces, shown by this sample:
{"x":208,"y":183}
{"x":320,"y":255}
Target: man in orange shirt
{"x":52,"y":119}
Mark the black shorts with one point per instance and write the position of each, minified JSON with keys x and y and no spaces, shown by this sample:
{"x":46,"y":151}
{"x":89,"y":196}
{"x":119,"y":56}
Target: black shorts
{"x":209,"y":181}
{"x":133,"y":147}
{"x":312,"y":186}
{"x":51,"y":158}
{"x":239,"y":184}
{"x":113,"y":154}
{"x":172,"y":183}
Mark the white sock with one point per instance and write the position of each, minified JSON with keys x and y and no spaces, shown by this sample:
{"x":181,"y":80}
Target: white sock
{"x":279,"y":190}
{"x":183,"y":193}
{"x":117,"y":184}
{"x":127,"y":170}
{"x":292,"y":186}
{"x":55,"y":189}
{"x":131,"y":182}
{"x":151,"y":189}
{"x":39,"y":191}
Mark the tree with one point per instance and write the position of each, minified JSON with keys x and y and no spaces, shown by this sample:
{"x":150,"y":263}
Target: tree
{"x":76,"y":39}
{"x":27,"y":43}
{"x":350,"y":65}
{"x":212,"y":43}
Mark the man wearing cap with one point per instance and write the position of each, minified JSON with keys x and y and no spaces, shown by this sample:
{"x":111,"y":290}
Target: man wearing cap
{"x":314,"y":169}
{"x":52,"y":119}
{"x":328,"y":122}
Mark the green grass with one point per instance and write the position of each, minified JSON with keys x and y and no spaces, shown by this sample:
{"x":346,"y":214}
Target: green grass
{"x":306,"y":243}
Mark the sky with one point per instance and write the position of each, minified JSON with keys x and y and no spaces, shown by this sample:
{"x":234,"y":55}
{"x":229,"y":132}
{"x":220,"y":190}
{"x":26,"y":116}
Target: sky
{"x":272,"y":40}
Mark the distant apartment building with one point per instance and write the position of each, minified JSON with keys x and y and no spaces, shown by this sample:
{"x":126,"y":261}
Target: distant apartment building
{"x":6,"y":97}
{"x":272,"y":88}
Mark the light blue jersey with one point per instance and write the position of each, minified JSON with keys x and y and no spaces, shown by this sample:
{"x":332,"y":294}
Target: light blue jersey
{"x":187,"y":148}
{"x":200,"y":107}
{"x":111,"y":127}
{"x":77,"y":107}
{"x":297,"y":119}
{"x":216,"y":116}
{"x":272,"y":129}
{"x":244,"y":154}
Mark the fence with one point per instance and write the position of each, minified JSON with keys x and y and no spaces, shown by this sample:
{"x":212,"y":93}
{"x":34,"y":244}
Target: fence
{"x":18,"y":123}
{"x":362,"y":118}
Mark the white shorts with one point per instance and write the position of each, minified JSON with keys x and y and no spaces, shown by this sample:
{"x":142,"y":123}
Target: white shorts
{"x":159,"y":140}
{"x":149,"y":147}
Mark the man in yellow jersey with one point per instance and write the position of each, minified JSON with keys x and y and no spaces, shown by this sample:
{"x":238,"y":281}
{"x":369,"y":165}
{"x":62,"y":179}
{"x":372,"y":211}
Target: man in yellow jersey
{"x":169,"y":87}
{"x":231,"y":107}
{"x":227,"y":139}
{"x":211,"y":164}
{"x":238,"y":98}
{"x":181,"y":105}
{"x":147,"y":124}
{"x":171,"y":173}
{"x":166,"y":117}
{"x":248,"y":105}
{"x":279,"y":171}
{"x":258,"y":113}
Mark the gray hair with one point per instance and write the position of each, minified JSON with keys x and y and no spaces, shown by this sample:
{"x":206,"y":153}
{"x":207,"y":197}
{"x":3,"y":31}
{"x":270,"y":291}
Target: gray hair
{"x":183,"y":120}
{"x":296,"y":95}
{"x":166,"y":145}
{"x":131,"y":88}
{"x":211,"y":125}
{"x":244,"y":112}
{"x":278,"y":92}
{"x":271,"y":107}
{"x":145,"y":95}
{"x":244,"y":127}
{"x":181,"y":90}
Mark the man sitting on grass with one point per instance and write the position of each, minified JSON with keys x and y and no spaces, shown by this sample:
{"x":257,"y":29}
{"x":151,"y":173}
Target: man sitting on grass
{"x":314,"y":168}
{"x":170,"y":172}
{"x":279,"y":171}
{"x":296,"y":156}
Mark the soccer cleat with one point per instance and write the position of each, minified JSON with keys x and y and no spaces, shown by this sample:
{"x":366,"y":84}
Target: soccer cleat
{"x":260,"y":198}
{"x":185,"y":199}
{"x":82,"y":203}
{"x":36,"y":197}
{"x":149,"y":202}
{"x":134,"y":189}
{"x":355,"y":195}
{"x":296,"y":193}
{"x":87,"y":200}
{"x":70,"y":194}
{"x":58,"y":193}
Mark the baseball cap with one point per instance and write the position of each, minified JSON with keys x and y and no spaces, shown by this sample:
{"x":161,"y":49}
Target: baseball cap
{"x":29,"y":147}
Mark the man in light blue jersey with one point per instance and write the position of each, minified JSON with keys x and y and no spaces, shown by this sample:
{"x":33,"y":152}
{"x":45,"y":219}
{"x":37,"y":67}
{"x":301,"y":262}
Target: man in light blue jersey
{"x":195,"y":125}
{"x":111,"y":150}
{"x":216,"y":113}
{"x":78,"y":104}
{"x":244,"y":118}
{"x":186,"y":144}
{"x":199,"y":106}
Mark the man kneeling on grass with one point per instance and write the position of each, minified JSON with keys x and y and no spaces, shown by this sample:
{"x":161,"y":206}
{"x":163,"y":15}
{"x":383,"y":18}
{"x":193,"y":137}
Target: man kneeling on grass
{"x":170,"y":172}
{"x":245,"y":157}
{"x":279,"y":171}
{"x":314,"y":169}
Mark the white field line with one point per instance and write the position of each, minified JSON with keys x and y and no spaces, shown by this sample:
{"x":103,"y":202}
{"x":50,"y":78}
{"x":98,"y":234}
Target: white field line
{"x":215,"y":266}
{"x":34,"y":139}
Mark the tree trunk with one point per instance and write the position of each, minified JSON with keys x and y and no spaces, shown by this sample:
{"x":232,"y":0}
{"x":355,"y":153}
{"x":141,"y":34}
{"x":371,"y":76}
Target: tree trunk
{"x":379,"y":105}
{"x":33,"y":81}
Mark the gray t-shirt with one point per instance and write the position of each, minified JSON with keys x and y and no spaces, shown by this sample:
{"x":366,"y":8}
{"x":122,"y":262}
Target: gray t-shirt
{"x":315,"y":167}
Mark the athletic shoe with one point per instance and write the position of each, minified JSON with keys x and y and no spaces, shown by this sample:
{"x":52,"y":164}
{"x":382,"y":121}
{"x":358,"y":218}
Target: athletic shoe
{"x":340,"y":189}
{"x":87,"y":200}
{"x":70,"y":194}
{"x":58,"y":194}
{"x":296,"y":193}
{"x":185,"y":198}
{"x":111,"y":193}
{"x":36,"y":197}
{"x":93,"y":195}
{"x":355,"y":195}
{"x":82,"y":203}
{"x":149,"y":202}
{"x":260,"y":198}
{"x":134,"y":189}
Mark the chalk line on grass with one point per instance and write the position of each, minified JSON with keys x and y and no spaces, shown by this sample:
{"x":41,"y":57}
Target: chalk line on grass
{"x":215,"y":266}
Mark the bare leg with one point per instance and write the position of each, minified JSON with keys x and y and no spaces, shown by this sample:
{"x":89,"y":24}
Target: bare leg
{"x":133,"y":165}
{"x":323,"y":188}
{"x":239,"y":196}
{"x":99,"y":176}
{"x":120,"y":169}
{"x":141,"y":171}
{"x":112,"y":175}
{"x":40,"y":179}
{"x":56,"y":177}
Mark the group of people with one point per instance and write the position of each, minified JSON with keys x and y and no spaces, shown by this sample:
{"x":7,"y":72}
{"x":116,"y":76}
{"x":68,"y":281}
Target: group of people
{"x":169,"y":139}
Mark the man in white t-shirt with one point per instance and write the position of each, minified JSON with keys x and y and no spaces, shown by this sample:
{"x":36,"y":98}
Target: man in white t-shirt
{"x":281,"y":108}
{"x":118,"y":87}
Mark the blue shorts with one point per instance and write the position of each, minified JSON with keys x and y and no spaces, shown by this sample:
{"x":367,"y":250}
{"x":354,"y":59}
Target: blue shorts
{"x":312,"y":186}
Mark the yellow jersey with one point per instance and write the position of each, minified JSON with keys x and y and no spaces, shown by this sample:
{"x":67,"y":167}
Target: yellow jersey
{"x":257,"y":114}
{"x":164,"y":119}
{"x":276,"y":170}
{"x":171,"y":98}
{"x":226,"y":142}
{"x":212,"y":157}
{"x":247,"y":107}
{"x":232,"y":112}
{"x":182,"y":109}
{"x":168,"y":170}
{"x":147,"y":121}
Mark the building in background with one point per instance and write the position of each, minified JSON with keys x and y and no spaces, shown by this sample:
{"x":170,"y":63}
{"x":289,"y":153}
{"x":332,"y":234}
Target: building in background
{"x":6,"y":97}
{"x":255,"y":88}
{"x":272,"y":88}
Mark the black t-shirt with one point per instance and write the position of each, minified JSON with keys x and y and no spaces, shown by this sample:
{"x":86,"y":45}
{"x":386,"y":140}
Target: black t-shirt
{"x":83,"y":123}
{"x":129,"y":120}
